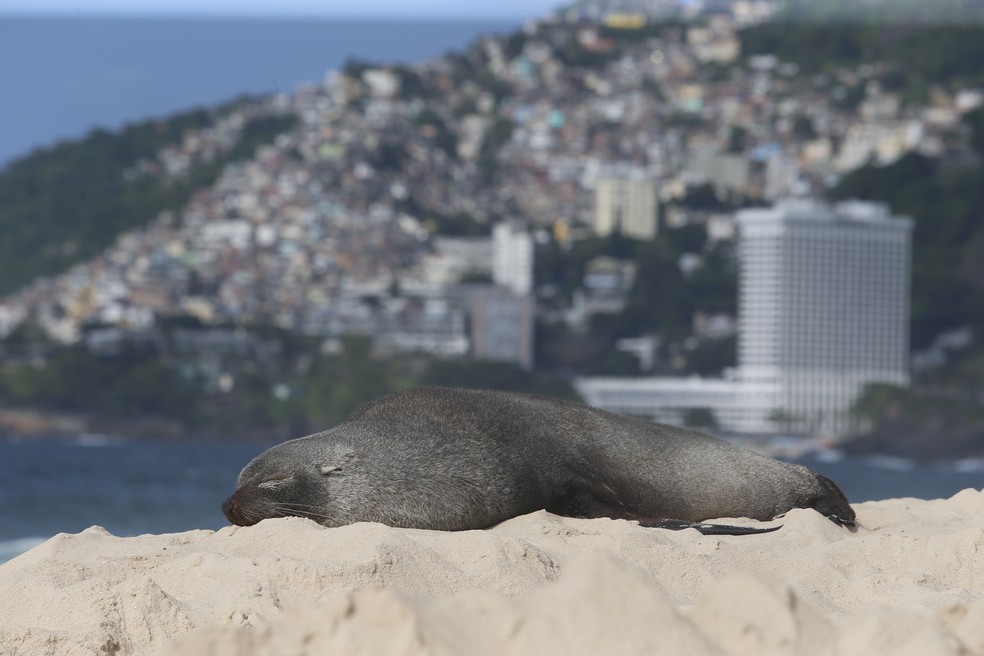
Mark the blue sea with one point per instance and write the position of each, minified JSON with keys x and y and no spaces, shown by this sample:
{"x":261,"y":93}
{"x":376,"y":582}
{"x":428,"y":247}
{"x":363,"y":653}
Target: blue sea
{"x":62,"y":77}
{"x":54,"y":486}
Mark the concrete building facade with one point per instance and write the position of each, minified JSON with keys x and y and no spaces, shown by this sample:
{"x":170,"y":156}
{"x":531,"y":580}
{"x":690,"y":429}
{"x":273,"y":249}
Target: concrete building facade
{"x":823,"y":306}
{"x":823,"y":310}
{"x":626,"y":202}
{"x":512,"y":258}
{"x":730,"y":403}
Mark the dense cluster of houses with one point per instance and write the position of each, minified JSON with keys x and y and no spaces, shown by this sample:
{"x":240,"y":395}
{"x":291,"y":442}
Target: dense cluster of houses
{"x":568,"y":129}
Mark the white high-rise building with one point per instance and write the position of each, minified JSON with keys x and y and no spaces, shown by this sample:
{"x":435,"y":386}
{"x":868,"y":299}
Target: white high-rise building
{"x":823,"y":310}
{"x":823,"y":307}
{"x":512,"y":258}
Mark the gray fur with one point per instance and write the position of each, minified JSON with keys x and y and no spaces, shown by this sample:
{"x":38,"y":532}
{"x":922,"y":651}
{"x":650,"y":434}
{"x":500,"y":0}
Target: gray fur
{"x":452,"y":459}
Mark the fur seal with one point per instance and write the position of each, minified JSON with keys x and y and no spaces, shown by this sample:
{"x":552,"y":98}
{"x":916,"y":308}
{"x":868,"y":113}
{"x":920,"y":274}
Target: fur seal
{"x":456,"y":459}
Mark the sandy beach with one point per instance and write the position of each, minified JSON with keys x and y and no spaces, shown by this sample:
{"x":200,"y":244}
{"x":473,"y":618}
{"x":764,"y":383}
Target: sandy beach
{"x":910,"y":580}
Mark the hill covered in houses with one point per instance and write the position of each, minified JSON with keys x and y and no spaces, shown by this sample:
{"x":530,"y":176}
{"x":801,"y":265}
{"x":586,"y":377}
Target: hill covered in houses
{"x":261,"y":267}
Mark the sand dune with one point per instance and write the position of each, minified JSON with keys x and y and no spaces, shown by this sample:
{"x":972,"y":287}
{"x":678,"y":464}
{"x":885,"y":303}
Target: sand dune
{"x":909,"y":581}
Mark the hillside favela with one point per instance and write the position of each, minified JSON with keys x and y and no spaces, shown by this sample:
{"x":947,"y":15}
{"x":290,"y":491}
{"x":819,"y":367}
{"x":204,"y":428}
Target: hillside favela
{"x":698,"y":219}
{"x":755,"y":219}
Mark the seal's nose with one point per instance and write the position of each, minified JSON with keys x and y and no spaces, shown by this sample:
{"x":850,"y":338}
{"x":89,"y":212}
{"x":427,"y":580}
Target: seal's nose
{"x":228,"y":509}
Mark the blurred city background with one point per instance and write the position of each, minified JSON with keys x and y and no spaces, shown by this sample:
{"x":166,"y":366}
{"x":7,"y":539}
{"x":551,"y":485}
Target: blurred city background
{"x":760,"y":218}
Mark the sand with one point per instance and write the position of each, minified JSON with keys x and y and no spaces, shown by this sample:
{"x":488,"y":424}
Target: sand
{"x":909,"y":581}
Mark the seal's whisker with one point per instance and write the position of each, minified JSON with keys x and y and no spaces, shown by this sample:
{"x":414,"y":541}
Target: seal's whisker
{"x":284,"y":504}
{"x":310,"y":510}
{"x":305,"y":514}
{"x":300,"y":512}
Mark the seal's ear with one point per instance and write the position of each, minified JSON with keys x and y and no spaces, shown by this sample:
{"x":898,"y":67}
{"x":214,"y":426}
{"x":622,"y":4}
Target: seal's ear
{"x":327,"y":469}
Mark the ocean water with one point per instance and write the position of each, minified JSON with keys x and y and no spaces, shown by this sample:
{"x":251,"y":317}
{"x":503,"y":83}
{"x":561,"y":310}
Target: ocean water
{"x":64,"y":486}
{"x":129,"y":488}
{"x":62,"y":77}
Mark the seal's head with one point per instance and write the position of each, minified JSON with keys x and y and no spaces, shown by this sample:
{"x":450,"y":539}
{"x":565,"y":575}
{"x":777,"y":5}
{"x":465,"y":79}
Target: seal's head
{"x":833,"y":503}
{"x":270,"y":486}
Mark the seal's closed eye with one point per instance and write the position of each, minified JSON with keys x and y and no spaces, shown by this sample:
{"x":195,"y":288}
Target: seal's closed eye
{"x":274,"y":482}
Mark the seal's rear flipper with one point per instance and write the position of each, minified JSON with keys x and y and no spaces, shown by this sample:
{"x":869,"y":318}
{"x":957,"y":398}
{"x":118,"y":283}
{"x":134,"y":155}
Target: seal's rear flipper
{"x":849,"y":522}
{"x":707,"y":529}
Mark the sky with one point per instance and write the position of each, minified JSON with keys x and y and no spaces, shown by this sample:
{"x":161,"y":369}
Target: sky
{"x":424,"y":9}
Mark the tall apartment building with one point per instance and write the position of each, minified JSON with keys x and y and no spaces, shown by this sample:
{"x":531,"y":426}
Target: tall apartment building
{"x":512,"y":258}
{"x":626,"y":201}
{"x":823,"y":306}
{"x":823,"y":310}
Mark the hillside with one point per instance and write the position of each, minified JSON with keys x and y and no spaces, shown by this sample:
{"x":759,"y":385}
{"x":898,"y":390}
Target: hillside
{"x":364,"y":176}
{"x":66,"y":204}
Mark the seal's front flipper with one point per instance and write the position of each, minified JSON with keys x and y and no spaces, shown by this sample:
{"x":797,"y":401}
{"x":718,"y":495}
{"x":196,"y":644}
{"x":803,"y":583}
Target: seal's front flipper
{"x":706,"y":529}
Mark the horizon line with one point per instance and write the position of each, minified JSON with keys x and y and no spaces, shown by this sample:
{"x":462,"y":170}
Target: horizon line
{"x":263,"y":15}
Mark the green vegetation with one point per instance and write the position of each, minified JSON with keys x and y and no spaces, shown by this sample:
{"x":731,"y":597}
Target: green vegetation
{"x":940,"y":417}
{"x":392,"y":155}
{"x":498,"y":136}
{"x":443,"y":138}
{"x":710,"y":356}
{"x":803,"y":128}
{"x":738,"y":139}
{"x":279,"y":392}
{"x":699,"y":418}
{"x":134,"y":384}
{"x":916,"y":57}
{"x":354,"y":68}
{"x":66,"y":204}
{"x":886,"y":11}
{"x":412,"y":85}
{"x":662,"y":300}
{"x":458,"y":224}
{"x":472,"y":68}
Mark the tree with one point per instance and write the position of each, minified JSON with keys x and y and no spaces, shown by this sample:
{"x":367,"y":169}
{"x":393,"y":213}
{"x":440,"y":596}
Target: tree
{"x":699,"y":418}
